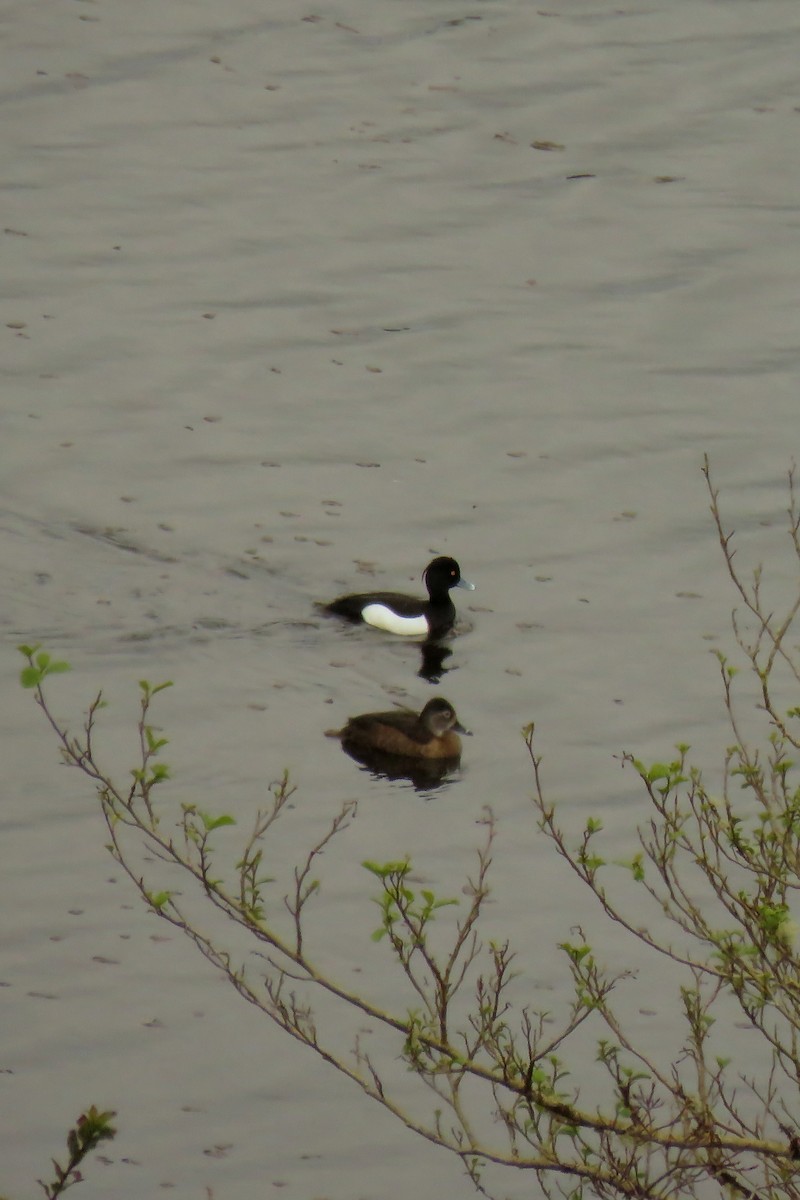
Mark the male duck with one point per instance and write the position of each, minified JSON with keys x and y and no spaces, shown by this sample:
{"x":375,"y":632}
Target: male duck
{"x":430,"y":734}
{"x":408,"y":615}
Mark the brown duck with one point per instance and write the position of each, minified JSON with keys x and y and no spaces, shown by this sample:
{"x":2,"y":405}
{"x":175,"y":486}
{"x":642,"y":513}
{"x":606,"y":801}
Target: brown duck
{"x":430,"y":734}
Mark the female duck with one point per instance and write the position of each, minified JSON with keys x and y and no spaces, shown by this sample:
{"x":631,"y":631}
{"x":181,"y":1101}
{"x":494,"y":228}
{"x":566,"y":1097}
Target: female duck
{"x":430,"y":734}
{"x":398,"y":613}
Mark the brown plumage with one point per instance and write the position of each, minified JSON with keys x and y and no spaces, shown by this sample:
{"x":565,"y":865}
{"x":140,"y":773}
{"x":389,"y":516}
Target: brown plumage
{"x":429,"y":734}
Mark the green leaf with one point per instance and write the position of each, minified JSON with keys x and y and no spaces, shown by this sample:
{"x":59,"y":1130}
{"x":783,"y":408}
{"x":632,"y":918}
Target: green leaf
{"x":774,"y":918}
{"x":210,"y":823}
{"x":382,"y":870}
{"x":40,"y":665}
{"x":576,"y":953}
{"x":656,"y":772}
{"x":30,"y":677}
{"x":592,"y":862}
{"x":154,"y":743}
{"x":636,"y":866}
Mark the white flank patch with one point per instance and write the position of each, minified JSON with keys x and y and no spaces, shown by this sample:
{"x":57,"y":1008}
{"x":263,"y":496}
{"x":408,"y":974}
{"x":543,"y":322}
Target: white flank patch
{"x":383,"y":618}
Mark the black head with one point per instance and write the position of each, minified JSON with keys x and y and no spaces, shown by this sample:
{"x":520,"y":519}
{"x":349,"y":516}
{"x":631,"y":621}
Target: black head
{"x":442,"y":574}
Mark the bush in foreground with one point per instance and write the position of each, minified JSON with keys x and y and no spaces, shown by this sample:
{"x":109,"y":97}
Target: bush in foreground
{"x":498,"y":1079}
{"x":91,"y":1128}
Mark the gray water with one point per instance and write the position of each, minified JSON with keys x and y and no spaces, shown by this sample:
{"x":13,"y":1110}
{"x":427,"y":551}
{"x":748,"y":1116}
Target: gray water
{"x":287,"y":295}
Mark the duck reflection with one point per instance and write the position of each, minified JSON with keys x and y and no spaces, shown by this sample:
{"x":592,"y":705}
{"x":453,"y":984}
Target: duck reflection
{"x":421,"y":747}
{"x":433,"y":655}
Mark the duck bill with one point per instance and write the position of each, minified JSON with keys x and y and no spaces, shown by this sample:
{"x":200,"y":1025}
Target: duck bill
{"x":459,"y":728}
{"x":465,"y":583}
